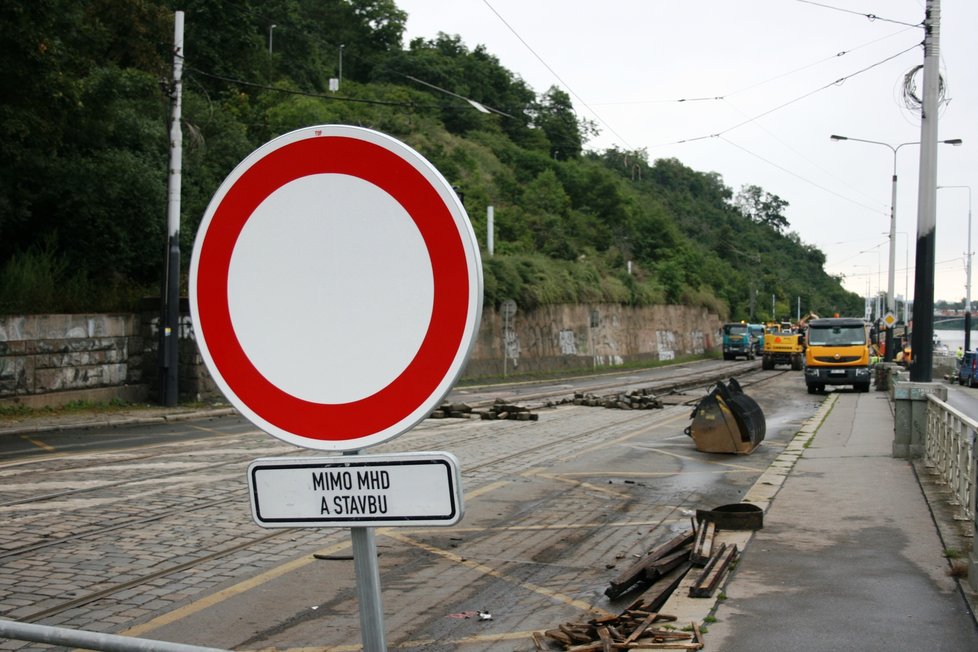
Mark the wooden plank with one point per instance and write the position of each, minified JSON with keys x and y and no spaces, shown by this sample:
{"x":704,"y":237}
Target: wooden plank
{"x":636,"y":572}
{"x":605,"y":637}
{"x":645,"y":624}
{"x":539,"y":641}
{"x":665,"y":588}
{"x":710,"y":578}
{"x":703,"y":546}
{"x":664,"y":565}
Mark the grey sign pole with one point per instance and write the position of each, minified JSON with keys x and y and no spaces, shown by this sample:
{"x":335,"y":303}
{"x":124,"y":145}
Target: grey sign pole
{"x":368,"y":586}
{"x":368,"y":589}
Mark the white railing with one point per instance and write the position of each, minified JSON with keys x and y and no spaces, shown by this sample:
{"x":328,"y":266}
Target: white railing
{"x":950,"y":454}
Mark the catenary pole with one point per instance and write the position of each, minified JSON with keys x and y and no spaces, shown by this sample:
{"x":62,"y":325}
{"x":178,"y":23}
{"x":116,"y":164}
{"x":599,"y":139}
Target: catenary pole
{"x":923,"y":306}
{"x":170,"y":328}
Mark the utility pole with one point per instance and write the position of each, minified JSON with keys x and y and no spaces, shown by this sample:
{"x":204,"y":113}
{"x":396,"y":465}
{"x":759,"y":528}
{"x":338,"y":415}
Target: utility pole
{"x":922,"y":343}
{"x":170,"y":319}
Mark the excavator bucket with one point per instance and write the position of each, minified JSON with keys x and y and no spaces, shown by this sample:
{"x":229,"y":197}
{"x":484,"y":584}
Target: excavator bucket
{"x":727,"y":421}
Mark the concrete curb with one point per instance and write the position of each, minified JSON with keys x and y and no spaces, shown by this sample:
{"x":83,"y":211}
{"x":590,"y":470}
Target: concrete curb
{"x":115,"y":421}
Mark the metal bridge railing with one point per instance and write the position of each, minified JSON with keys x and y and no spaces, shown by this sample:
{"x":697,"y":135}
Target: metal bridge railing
{"x":950,"y":454}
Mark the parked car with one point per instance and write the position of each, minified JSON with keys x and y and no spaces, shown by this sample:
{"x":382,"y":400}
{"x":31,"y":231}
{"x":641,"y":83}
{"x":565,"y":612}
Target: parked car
{"x":968,"y":369}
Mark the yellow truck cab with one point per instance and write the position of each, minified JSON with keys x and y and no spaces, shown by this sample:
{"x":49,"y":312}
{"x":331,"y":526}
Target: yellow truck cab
{"x":782,"y":346}
{"x":837,"y":353}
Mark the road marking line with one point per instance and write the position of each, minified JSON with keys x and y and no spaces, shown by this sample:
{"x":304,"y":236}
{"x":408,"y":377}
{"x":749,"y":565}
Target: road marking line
{"x":577,"y":483}
{"x":485,"y":489}
{"x":492,"y":572}
{"x":40,"y":444}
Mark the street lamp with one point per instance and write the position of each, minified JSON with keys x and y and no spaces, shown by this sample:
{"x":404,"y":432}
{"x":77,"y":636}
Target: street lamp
{"x":967,"y":285}
{"x":888,"y":354}
{"x":271,"y":30}
{"x":906,"y":271}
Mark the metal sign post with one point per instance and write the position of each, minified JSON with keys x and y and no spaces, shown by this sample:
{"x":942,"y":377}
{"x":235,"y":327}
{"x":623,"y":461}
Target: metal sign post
{"x":305,"y":227}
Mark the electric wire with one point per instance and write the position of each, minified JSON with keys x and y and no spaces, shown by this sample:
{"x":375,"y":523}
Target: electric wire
{"x":558,"y":77}
{"x":800,"y":177}
{"x":871,"y":17}
{"x":336,"y":98}
{"x":795,"y":100}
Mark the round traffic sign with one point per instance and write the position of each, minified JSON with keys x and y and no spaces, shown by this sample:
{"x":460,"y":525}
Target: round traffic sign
{"x":335,"y":287}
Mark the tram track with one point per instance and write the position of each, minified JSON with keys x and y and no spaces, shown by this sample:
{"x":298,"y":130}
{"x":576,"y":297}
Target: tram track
{"x":624,"y":427}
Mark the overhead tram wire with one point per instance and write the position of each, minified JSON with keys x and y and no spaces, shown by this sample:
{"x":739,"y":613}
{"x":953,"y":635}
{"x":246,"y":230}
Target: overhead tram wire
{"x":802,"y":178}
{"x":554,"y":73}
{"x":753,"y":85}
{"x":871,"y":17}
{"x":720,"y":134}
{"x":332,"y":97}
{"x":837,"y":82}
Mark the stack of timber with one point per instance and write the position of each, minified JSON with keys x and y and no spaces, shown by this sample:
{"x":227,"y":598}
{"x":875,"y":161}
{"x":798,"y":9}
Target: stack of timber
{"x":672,"y":559}
{"x":638,"y":627}
{"x":658,"y":563}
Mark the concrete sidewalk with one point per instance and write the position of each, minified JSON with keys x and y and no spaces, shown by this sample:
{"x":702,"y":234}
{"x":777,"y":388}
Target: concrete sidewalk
{"x":850,"y":556}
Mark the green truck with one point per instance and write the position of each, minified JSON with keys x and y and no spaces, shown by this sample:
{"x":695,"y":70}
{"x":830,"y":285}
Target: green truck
{"x":741,"y":339}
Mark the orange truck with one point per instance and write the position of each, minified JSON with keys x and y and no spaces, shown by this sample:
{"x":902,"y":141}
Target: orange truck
{"x":838,"y":353}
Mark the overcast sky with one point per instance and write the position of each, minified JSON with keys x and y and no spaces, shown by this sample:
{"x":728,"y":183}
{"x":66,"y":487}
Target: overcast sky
{"x":766,"y":82}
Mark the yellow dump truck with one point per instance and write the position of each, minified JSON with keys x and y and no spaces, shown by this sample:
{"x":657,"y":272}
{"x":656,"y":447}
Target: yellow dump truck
{"x":837,"y":354}
{"x":782,"y":346}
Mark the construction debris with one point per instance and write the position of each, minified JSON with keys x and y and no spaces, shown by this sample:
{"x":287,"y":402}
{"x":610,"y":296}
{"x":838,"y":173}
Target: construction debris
{"x":703,"y":547}
{"x":639,"y":399}
{"x":713,"y":572}
{"x":637,"y":627}
{"x":500,"y":409}
{"x":661,"y":570}
{"x":654,"y":565}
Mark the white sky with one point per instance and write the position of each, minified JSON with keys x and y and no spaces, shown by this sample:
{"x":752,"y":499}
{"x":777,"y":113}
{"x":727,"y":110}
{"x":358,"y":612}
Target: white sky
{"x":627,"y":62}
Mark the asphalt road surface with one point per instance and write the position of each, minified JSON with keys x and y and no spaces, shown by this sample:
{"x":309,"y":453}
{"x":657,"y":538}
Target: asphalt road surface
{"x":147,"y":530}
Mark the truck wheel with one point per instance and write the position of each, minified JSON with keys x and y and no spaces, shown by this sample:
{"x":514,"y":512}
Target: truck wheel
{"x":767,"y":363}
{"x":862,"y":387}
{"x":811,"y":389}
{"x":796,"y":363}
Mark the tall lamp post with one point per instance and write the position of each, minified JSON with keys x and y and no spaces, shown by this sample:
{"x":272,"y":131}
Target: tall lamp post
{"x":890,"y":305}
{"x":967,"y":285}
{"x":271,"y":33}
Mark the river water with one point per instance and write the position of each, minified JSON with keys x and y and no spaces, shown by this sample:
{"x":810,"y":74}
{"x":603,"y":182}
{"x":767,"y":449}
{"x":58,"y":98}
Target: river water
{"x":954,"y":339}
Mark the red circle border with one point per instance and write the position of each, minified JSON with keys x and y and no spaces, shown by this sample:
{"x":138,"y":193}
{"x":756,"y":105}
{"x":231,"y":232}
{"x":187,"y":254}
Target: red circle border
{"x":415,"y":385}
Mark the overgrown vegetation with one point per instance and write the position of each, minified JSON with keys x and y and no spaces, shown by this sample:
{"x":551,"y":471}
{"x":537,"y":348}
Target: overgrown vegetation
{"x":84,"y":158}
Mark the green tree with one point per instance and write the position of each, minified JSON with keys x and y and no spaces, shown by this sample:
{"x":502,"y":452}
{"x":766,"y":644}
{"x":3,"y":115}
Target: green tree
{"x":555,"y":116}
{"x":762,"y":207}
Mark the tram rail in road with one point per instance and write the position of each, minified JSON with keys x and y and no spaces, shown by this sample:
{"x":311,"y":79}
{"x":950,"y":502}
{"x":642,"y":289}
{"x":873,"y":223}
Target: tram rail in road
{"x":158,"y":540}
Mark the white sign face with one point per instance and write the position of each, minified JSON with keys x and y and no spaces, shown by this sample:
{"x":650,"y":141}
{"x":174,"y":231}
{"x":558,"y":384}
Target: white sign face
{"x":356,"y":491}
{"x":335,"y":287}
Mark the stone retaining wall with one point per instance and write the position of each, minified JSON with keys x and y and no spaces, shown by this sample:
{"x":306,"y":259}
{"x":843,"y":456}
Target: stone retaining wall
{"x":55,"y":359}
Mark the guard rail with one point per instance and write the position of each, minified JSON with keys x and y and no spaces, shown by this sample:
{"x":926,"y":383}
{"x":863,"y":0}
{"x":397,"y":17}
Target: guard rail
{"x":950,"y":454}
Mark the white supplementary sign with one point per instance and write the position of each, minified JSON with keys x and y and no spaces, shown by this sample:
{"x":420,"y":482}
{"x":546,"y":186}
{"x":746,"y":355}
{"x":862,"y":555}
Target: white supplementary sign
{"x":356,"y":491}
{"x":335,"y":287}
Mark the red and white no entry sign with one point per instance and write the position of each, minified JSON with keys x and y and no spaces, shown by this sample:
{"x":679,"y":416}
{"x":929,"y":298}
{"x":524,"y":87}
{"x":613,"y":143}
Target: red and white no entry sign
{"x":335,"y":287}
